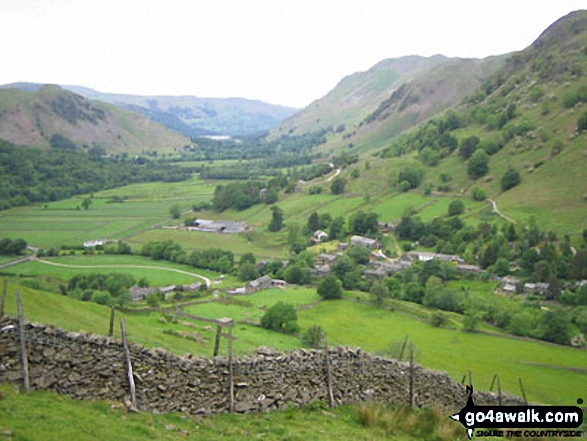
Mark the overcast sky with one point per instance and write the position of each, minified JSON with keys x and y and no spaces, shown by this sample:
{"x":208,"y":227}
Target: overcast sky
{"x":278,"y":51}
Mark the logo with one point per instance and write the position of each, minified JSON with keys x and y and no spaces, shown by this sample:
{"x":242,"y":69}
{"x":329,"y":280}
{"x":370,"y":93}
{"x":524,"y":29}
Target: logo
{"x":519,"y":418}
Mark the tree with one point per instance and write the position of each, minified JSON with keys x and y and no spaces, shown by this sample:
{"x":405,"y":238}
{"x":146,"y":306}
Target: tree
{"x":468,"y":147}
{"x":338,"y":185}
{"x":313,"y":337}
{"x":478,"y":164}
{"x":336,"y":230}
{"x":502,"y":267}
{"x":276,"y":219}
{"x":175,"y":211}
{"x":582,"y":122}
{"x":412,"y":174}
{"x":247,"y":258}
{"x":247,"y":271}
{"x":86,"y":203}
{"x":281,"y":317}
{"x":556,"y":327}
{"x":478,"y":194}
{"x":330,"y":288}
{"x":379,"y":290}
{"x":61,"y":142}
{"x":456,"y":207}
{"x":510,"y":179}
{"x":297,"y":275}
{"x":313,"y":222}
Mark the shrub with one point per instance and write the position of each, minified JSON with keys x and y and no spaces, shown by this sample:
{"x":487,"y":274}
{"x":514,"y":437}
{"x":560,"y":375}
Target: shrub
{"x":438,"y":319}
{"x":510,"y":179}
{"x":478,"y":194}
{"x":281,"y":317}
{"x":456,"y":207}
{"x":330,"y":288}
{"x":404,"y":186}
{"x":313,"y":337}
{"x":478,"y":164}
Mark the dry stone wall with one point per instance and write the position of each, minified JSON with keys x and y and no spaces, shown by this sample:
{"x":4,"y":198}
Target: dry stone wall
{"x":87,"y":366}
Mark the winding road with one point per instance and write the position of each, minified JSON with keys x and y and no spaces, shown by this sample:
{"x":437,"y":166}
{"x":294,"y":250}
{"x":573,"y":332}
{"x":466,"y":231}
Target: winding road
{"x":205,"y":279}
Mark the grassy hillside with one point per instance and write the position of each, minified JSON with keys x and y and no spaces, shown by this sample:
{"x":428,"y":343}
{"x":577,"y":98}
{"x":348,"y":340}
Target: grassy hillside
{"x":33,"y":117}
{"x":367,"y":108}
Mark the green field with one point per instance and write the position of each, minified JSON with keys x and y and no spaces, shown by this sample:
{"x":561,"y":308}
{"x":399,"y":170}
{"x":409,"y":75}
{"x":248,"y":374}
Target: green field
{"x":62,"y":223}
{"x":166,"y":273}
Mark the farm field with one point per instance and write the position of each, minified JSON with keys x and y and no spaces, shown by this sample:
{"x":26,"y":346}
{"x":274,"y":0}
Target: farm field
{"x":551,"y":374}
{"x":63,"y":223}
{"x":66,"y":267}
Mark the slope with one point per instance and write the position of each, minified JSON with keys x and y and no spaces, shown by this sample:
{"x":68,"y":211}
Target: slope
{"x":526,"y":117}
{"x":193,"y":116}
{"x":32,"y":117}
{"x":367,"y":108}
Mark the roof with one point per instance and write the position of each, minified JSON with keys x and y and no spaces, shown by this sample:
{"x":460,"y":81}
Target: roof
{"x":363,"y":240}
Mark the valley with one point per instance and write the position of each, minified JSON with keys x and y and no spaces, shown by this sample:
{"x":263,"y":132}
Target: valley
{"x":430,"y":205}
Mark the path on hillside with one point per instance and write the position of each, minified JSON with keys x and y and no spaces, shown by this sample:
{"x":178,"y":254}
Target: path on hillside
{"x":499,"y":213}
{"x":205,"y":279}
{"x":338,"y":170}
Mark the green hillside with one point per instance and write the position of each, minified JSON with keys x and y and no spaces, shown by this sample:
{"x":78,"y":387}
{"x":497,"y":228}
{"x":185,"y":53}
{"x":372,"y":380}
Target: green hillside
{"x":33,"y":117}
{"x":367,"y":108}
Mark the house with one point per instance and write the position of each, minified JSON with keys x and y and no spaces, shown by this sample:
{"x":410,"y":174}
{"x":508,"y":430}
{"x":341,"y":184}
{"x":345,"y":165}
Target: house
{"x":360,"y":241}
{"x":320,"y":236}
{"x":328,"y":259}
{"x":375,"y":273}
{"x":464,"y":268}
{"x":386,"y":227}
{"x":277,"y":283}
{"x":536,"y":288}
{"x":508,"y":288}
{"x":95,"y":243}
{"x":139,"y":293}
{"x":424,"y":256}
{"x":259,"y":284}
{"x":343,"y":246}
{"x":508,"y":285}
{"x":166,"y":290}
{"x":193,"y":287}
{"x":320,"y":271}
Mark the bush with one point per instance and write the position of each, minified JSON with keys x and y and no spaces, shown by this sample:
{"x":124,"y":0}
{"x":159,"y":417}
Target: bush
{"x":404,"y":186}
{"x":478,"y":194}
{"x":438,"y":319}
{"x":510,"y":179}
{"x":281,"y":317}
{"x":411,"y":174}
{"x":313,"y":337}
{"x":456,"y":207}
{"x":330,"y":288}
{"x":478,"y":164}
{"x":338,"y":185}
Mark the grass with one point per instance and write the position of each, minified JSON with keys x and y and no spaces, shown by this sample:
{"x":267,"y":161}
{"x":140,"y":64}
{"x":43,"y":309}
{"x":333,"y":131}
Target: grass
{"x":62,"y":223}
{"x":109,"y":263}
{"x":59,"y":418}
{"x":455,"y":351}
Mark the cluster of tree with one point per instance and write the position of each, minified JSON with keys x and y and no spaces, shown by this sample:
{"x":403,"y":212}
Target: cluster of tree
{"x":30,"y":175}
{"x":213,"y":258}
{"x":104,"y":289}
{"x":238,"y":196}
{"x":10,"y":246}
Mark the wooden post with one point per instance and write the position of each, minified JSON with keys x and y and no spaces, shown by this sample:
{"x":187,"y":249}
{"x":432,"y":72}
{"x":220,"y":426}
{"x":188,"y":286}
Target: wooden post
{"x":230,"y":370}
{"x":3,"y":298}
{"x":523,"y":391}
{"x":403,"y":348}
{"x":463,"y":379}
{"x":129,"y":374}
{"x":470,"y":378}
{"x":23,"y":355}
{"x":328,"y":373}
{"x":411,"y":374}
{"x":498,"y":391}
{"x":492,"y":383}
{"x":217,"y":342}
{"x":112,"y":315}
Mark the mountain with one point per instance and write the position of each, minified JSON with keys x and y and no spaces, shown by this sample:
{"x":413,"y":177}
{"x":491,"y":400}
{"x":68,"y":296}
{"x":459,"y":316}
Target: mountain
{"x":32,"y":114}
{"x":530,"y":115}
{"x":192,"y":116}
{"x":367,"y":108}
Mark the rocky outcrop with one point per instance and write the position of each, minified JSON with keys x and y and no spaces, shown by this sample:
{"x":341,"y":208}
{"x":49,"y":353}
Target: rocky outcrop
{"x":87,"y":366}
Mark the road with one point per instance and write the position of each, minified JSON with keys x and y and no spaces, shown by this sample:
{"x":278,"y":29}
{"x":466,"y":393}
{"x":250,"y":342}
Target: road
{"x":205,"y":279}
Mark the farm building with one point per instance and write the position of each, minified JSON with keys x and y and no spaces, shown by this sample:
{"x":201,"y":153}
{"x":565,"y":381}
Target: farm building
{"x":360,"y":241}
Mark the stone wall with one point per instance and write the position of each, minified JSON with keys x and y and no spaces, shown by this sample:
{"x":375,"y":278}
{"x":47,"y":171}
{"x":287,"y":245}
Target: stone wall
{"x":87,"y":366}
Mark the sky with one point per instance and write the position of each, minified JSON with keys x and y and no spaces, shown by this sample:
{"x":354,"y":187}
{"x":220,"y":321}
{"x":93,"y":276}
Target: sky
{"x":279,"y":51}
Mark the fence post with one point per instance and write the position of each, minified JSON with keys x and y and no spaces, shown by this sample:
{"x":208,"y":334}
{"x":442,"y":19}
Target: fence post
{"x":328,"y":373}
{"x":523,"y":391}
{"x":217,"y":341}
{"x":412,"y":375}
{"x":23,"y":355}
{"x":3,"y":298}
{"x":111,"y":328}
{"x":230,"y":369}
{"x":403,"y":348}
{"x":470,"y":378}
{"x":129,"y":374}
{"x":498,"y":391}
